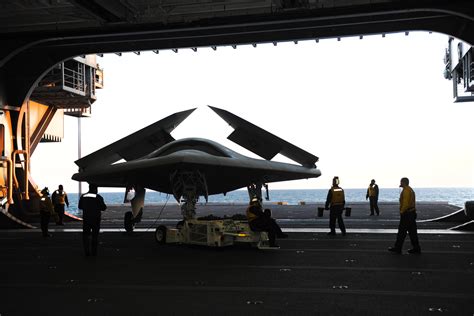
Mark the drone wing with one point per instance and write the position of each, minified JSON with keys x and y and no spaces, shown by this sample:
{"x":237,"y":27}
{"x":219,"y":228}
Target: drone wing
{"x":136,"y":145}
{"x":263,"y":143}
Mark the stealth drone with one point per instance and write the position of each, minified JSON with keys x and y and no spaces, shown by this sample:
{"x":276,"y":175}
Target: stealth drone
{"x":192,"y":167}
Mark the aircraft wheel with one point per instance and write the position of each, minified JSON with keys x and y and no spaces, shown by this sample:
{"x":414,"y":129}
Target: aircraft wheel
{"x":160,"y":234}
{"x":128,"y":222}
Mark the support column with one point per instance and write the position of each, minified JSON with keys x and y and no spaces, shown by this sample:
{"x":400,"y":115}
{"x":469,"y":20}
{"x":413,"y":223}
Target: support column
{"x":79,"y":154}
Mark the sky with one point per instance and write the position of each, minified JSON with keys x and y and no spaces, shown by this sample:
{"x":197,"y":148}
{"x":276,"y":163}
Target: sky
{"x":377,"y":108}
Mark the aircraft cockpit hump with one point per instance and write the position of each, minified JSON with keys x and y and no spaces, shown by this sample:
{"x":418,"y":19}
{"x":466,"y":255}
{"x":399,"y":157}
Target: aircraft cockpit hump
{"x":197,"y":144}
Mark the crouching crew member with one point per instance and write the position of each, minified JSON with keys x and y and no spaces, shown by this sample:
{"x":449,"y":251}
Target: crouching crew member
{"x":407,"y":219}
{"x":335,"y":202}
{"x":59,"y":198}
{"x":91,"y":204}
{"x":261,"y":221}
{"x":46,"y":210}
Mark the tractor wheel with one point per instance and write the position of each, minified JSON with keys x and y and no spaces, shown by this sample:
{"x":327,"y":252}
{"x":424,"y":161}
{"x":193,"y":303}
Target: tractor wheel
{"x":160,"y":235}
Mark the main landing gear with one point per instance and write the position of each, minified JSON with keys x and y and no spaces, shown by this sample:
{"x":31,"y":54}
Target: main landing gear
{"x":129,"y":222}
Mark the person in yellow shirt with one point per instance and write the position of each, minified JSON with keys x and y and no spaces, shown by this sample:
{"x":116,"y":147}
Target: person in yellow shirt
{"x":260,"y":220}
{"x":60,"y":200}
{"x":407,"y":220}
{"x":335,"y":202}
{"x":373,"y":196}
{"x":46,"y":210}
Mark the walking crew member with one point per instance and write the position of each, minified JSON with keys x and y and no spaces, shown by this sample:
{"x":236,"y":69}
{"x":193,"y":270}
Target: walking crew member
{"x":335,"y":202}
{"x":407,"y":219}
{"x":46,"y":210}
{"x":373,"y":196}
{"x":262,"y":221}
{"x":59,"y":200}
{"x":91,"y":204}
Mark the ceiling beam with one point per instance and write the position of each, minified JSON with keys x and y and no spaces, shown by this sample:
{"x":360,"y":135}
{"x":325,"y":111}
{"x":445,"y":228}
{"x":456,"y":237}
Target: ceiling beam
{"x":103,"y":13}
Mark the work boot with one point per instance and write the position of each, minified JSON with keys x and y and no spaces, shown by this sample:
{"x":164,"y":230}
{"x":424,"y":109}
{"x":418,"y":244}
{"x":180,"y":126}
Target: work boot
{"x":395,"y":250}
{"x":414,"y":250}
{"x":331,"y":233}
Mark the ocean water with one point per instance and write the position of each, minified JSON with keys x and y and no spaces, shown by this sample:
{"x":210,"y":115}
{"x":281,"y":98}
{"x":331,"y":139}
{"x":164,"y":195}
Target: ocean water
{"x":454,"y":196}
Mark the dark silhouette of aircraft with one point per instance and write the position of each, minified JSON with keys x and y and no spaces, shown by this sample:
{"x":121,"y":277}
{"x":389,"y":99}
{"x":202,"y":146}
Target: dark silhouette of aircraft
{"x":192,"y":167}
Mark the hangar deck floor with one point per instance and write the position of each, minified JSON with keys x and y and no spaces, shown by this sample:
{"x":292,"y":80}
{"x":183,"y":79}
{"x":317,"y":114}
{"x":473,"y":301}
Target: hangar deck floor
{"x":312,"y":274}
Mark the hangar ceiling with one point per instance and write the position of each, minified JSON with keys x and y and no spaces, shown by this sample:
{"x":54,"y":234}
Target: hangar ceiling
{"x":45,"y":18}
{"x":60,"y":15}
{"x":54,"y":30}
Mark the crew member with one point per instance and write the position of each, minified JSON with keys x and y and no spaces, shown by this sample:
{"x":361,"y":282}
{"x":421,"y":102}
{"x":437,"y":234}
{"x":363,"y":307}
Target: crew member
{"x":262,"y":221}
{"x":59,"y":198}
{"x":91,"y":204}
{"x":373,"y":196}
{"x":407,"y":219}
{"x":335,"y":202}
{"x":46,"y":210}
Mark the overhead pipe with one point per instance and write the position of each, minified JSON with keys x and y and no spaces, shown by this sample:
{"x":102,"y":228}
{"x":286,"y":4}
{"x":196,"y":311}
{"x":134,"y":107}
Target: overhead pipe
{"x":9,"y":178}
{"x":27,"y":162}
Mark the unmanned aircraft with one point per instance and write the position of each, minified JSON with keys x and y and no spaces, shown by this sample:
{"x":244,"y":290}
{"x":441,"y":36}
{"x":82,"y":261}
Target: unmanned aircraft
{"x":192,"y":167}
